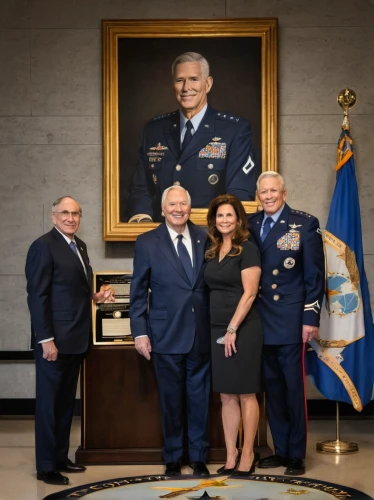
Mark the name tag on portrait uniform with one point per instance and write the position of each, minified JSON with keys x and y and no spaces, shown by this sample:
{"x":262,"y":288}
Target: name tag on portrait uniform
{"x":214,"y":149}
{"x":290,"y":241}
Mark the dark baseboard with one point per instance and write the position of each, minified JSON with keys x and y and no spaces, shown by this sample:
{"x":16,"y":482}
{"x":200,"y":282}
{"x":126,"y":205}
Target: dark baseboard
{"x":318,"y":409}
{"x":16,"y":355}
{"x":26,"y":407}
{"x":325,"y":409}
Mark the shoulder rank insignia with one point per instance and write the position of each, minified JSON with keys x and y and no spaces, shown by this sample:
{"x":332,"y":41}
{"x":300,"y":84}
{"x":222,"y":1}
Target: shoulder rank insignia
{"x":159,"y":147}
{"x":299,"y":212}
{"x":228,"y":117}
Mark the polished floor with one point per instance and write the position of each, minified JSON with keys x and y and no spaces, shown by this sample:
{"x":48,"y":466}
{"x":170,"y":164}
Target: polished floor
{"x":17,"y":469}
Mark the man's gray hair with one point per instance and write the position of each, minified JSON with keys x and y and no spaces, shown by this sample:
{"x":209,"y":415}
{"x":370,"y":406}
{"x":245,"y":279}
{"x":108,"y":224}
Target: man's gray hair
{"x":165,"y":193}
{"x":59,"y":200}
{"x":270,"y":173}
{"x":191,"y":57}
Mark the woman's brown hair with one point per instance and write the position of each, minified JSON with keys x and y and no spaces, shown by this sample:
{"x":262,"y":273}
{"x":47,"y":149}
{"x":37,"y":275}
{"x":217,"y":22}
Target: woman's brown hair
{"x":241,"y":233}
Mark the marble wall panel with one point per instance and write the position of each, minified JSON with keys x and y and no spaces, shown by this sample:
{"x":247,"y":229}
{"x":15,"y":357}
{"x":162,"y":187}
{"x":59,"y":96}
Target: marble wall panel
{"x":66,"y":72}
{"x":160,"y":9}
{"x":17,"y":380}
{"x":50,"y":130}
{"x":84,"y":14}
{"x":303,"y":13}
{"x":35,"y":176}
{"x":14,"y":73}
{"x":14,"y":314}
{"x":309,"y":174}
{"x":316,"y":63}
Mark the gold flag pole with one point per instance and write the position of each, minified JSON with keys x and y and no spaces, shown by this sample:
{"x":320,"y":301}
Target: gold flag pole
{"x":337,"y":447}
{"x":346,"y":99}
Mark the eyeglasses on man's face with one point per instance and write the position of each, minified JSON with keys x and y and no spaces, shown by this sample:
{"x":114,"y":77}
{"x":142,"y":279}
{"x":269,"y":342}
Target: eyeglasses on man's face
{"x":65,"y":214}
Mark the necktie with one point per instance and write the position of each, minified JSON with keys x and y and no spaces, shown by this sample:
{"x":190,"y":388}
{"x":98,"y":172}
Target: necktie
{"x":73,"y":246}
{"x":185,"y":257}
{"x":188,"y":135}
{"x":266,"y":228}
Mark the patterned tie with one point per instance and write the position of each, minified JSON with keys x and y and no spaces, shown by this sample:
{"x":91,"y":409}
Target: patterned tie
{"x":266,"y":228}
{"x":188,"y":135}
{"x":185,"y":257}
{"x":73,"y":246}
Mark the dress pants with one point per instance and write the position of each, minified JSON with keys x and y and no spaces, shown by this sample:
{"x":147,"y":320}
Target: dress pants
{"x":56,"y":386}
{"x":184,"y":387}
{"x":284,"y":377}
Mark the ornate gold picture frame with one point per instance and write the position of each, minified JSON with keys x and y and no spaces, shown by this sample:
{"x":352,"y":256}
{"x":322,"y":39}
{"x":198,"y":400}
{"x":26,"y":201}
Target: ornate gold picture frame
{"x":137,"y":57}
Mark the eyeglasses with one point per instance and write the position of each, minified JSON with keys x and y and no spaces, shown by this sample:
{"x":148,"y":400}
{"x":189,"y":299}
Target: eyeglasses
{"x":65,"y":214}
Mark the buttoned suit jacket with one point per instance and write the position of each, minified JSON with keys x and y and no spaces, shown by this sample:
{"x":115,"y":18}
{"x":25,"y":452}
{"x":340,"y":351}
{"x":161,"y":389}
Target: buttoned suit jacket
{"x":58,"y":293}
{"x":200,"y":172}
{"x":175,"y":309}
{"x":292,"y":280}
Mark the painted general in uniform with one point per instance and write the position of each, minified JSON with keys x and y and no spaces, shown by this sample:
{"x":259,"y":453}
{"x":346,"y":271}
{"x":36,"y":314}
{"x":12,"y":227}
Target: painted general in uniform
{"x":289,"y":303}
{"x":205,"y":151}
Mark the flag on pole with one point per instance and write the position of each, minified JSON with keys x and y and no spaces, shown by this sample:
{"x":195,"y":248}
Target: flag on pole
{"x":341,"y":360}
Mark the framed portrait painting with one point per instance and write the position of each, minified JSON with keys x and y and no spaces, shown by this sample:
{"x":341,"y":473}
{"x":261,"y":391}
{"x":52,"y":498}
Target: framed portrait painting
{"x":138,"y":89}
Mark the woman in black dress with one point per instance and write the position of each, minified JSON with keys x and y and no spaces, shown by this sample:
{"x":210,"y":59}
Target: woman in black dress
{"x":232,"y":275}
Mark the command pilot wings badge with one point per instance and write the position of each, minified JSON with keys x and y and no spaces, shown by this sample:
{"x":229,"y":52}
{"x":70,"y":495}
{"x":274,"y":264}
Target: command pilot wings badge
{"x":159,"y":147}
{"x":294,"y":227}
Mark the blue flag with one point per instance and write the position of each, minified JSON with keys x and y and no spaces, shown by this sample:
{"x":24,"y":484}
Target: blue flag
{"x":341,"y":360}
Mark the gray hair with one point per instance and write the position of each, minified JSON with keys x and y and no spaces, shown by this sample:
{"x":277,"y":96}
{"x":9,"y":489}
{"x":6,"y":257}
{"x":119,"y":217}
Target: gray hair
{"x":191,"y":57}
{"x":166,"y":192}
{"x":270,"y":173}
{"x":59,"y":200}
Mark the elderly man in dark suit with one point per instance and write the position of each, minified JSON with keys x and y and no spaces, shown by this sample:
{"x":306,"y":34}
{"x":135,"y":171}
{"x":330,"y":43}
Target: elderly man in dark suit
{"x":170,"y":318}
{"x":206,"y":151}
{"x":59,"y":288}
{"x":289,"y":303}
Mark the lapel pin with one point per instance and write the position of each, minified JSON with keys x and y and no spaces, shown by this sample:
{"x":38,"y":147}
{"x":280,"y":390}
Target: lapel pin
{"x":174,"y":125}
{"x":198,"y":241}
{"x":283,"y":221}
{"x":206,"y":125}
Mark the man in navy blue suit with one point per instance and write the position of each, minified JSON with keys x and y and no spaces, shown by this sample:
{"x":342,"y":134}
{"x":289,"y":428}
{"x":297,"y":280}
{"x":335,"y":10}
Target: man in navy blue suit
{"x":59,"y":294}
{"x":289,"y":303}
{"x":169,"y":316}
{"x":205,"y":151}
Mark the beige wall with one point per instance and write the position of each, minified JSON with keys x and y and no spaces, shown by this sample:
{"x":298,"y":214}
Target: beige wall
{"x":50,"y":123}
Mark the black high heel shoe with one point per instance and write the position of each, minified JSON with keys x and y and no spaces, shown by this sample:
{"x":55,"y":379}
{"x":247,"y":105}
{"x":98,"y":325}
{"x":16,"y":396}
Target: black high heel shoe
{"x":242,"y":473}
{"x":223,"y":470}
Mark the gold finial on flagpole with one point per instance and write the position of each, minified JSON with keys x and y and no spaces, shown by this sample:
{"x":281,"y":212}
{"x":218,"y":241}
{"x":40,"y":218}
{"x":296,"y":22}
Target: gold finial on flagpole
{"x":346,"y":99}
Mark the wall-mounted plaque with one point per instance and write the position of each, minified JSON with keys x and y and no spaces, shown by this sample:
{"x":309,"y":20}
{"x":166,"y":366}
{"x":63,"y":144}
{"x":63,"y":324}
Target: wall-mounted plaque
{"x":111,"y":320}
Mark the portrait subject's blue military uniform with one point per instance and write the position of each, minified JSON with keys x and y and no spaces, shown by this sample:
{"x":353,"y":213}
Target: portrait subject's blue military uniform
{"x":218,"y":159}
{"x":290,"y":296}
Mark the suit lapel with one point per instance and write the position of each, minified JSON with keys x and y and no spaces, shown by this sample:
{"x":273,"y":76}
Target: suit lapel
{"x":278,"y":230}
{"x":172,"y":136}
{"x":203,"y":135}
{"x":198,"y":248}
{"x":167,"y":248}
{"x":70,"y":255}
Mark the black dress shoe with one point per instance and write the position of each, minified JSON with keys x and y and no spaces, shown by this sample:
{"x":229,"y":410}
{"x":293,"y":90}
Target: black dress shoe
{"x":296,"y":467}
{"x":272,"y":462}
{"x":70,"y":466}
{"x":52,"y":477}
{"x":223,"y":470}
{"x":243,"y":473}
{"x":199,"y":469}
{"x":173,"y":469}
